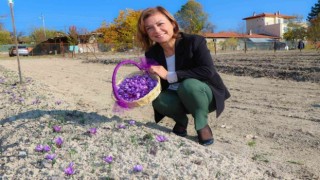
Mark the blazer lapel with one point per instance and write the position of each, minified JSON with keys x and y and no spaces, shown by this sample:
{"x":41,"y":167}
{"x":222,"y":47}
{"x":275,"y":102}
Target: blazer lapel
{"x":179,"y":52}
{"x":162,"y":58}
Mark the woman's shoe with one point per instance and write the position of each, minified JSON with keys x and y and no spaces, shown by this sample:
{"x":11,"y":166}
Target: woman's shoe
{"x":205,"y":136}
{"x":179,"y":130}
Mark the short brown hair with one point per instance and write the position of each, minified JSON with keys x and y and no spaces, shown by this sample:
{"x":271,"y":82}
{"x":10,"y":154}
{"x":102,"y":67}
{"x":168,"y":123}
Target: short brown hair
{"x":142,"y":34}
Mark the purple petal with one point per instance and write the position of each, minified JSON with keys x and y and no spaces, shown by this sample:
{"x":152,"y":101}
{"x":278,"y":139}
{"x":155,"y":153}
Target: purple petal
{"x":92,"y":131}
{"x":50,"y":157}
{"x":58,"y":141}
{"x":39,"y":148}
{"x":69,"y":170}
{"x":121,"y":126}
{"x":132,"y":122}
{"x":56,"y":128}
{"x":108,"y":159}
{"x":161,"y":138}
{"x":46,"y":148}
{"x":138,"y":168}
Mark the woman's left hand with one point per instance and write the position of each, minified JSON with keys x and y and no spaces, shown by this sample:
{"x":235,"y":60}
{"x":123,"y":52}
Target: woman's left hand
{"x":159,"y":70}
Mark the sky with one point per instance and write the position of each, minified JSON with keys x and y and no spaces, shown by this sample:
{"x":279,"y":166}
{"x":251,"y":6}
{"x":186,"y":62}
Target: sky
{"x":226,"y":15}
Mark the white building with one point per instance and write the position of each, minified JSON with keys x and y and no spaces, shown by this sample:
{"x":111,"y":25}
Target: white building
{"x":267,"y":24}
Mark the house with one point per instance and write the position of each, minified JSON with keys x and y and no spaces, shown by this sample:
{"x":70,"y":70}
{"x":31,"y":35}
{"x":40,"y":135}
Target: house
{"x":268,"y":24}
{"x":252,"y":41}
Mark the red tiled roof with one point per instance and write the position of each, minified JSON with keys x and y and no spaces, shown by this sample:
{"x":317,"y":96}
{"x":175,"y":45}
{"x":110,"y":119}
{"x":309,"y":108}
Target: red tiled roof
{"x":236,"y":35}
{"x":269,"y":15}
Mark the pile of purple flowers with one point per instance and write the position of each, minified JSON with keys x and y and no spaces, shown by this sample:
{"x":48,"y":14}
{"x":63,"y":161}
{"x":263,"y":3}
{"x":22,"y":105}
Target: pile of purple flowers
{"x":135,"y":87}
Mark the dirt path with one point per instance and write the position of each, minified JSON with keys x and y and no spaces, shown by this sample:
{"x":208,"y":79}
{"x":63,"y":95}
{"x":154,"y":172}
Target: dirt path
{"x":274,"y":123}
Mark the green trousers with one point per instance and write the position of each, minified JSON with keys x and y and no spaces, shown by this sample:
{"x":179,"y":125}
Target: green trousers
{"x":192,"y":97}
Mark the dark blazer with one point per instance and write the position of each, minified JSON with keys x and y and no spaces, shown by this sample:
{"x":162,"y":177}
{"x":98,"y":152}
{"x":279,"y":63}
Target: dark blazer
{"x":193,"y":60}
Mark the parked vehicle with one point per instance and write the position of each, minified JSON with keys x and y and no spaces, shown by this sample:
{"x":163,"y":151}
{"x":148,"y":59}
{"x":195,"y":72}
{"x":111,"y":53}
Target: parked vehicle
{"x":22,"y":50}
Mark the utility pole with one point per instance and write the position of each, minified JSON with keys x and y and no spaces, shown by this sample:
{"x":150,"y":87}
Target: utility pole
{"x":15,"y":38}
{"x":43,"y":25}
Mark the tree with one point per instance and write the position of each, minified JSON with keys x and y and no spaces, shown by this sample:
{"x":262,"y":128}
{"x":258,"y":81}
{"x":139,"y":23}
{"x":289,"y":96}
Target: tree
{"x":296,"y":30}
{"x":313,"y":32}
{"x":1,"y":27}
{"x":5,"y":37}
{"x":315,"y":10}
{"x":232,"y":43}
{"x":37,"y":35}
{"x":191,"y":17}
{"x":209,"y":27}
{"x":122,"y":31}
{"x":73,"y":38}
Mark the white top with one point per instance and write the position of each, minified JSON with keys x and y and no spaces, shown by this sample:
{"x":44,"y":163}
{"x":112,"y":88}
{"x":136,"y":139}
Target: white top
{"x":172,"y":75}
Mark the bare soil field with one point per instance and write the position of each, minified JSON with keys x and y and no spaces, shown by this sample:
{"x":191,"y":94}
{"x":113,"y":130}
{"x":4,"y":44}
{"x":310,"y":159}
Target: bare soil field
{"x":269,"y":129}
{"x":290,"y":65}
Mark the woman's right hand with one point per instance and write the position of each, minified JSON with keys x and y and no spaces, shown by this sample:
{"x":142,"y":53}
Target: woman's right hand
{"x":159,"y":70}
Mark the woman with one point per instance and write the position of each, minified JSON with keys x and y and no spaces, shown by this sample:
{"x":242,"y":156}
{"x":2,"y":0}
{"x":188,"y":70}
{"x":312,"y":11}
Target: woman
{"x":190,"y":84}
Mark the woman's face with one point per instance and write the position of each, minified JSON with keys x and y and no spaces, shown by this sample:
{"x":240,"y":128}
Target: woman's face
{"x":159,"y":28}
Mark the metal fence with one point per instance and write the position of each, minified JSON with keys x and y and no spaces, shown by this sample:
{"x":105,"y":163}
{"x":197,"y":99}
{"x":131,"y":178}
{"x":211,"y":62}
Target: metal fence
{"x":65,"y":49}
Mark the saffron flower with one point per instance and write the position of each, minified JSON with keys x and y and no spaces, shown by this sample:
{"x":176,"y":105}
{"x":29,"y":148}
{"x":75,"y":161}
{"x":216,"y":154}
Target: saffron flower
{"x":69,"y":170}
{"x":161,"y":138}
{"x":39,"y":148}
{"x":46,"y":148}
{"x":56,"y":128}
{"x":136,"y":87}
{"x":132,"y":122}
{"x":2,"y":80}
{"x":21,"y":99}
{"x":108,"y":159}
{"x":50,"y":156}
{"x":58,"y":102}
{"x":59,"y":142}
{"x":92,"y":131}
{"x":137,"y":168}
{"x":121,"y":126}
{"x":36,"y":101}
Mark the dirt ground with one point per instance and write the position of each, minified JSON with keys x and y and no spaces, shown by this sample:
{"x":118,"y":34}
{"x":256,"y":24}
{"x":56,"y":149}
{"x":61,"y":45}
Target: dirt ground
{"x":270,"y":128}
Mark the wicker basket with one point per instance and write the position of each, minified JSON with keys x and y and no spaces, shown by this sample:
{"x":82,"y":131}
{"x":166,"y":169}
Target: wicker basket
{"x":148,"y":98}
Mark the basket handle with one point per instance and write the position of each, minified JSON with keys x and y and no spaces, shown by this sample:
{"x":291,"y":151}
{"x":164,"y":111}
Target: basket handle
{"x":114,"y":82}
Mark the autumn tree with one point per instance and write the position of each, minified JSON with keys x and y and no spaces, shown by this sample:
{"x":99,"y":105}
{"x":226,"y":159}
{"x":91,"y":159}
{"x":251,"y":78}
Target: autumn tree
{"x":73,"y":38}
{"x":191,"y":17}
{"x":315,"y":10}
{"x":5,"y":37}
{"x":313,"y":32}
{"x":122,"y":31}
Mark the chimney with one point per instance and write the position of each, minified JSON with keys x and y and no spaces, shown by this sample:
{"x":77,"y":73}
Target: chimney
{"x":250,"y":32}
{"x":254,"y":13}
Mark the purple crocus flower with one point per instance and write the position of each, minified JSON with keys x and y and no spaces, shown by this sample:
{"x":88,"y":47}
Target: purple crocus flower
{"x":50,"y":156}
{"x":58,"y":102}
{"x":121,"y":126}
{"x":20,"y":99}
{"x":132,"y":122}
{"x":39,"y":148}
{"x":2,"y":80}
{"x":46,"y":148}
{"x":56,"y":128}
{"x":69,"y":170}
{"x":138,"y":168}
{"x":59,"y":142}
{"x":36,"y":101}
{"x":161,"y":138}
{"x":108,"y":159}
{"x":92,"y":131}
